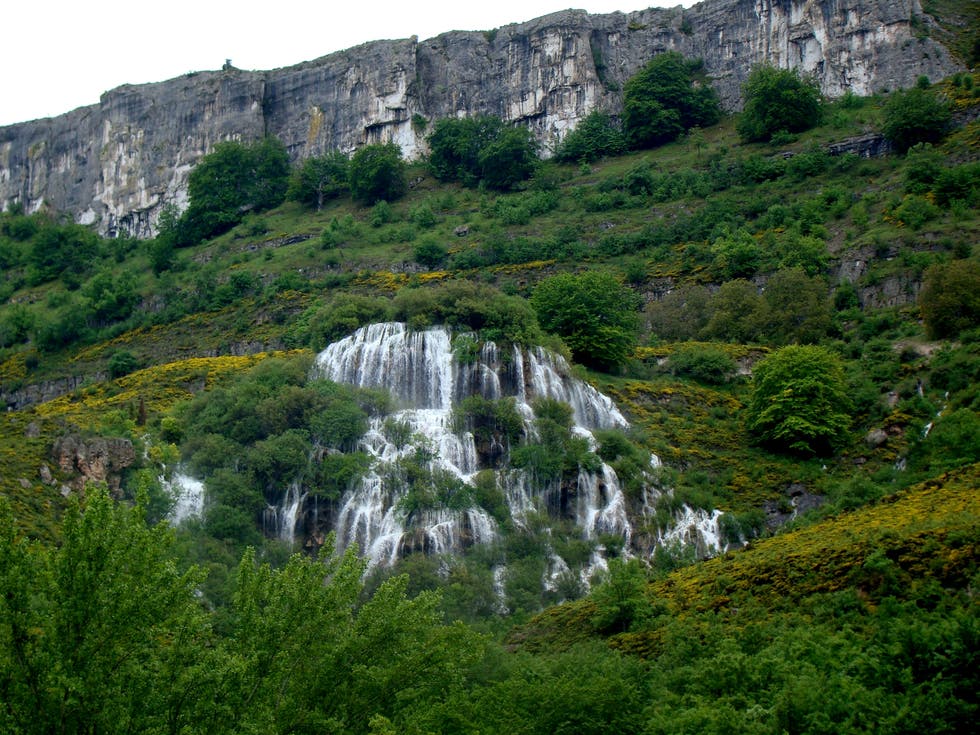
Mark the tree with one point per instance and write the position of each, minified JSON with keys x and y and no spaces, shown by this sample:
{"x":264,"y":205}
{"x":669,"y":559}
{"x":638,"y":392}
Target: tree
{"x":481,"y":149}
{"x":377,"y":173}
{"x":950,"y":298}
{"x":318,"y":179}
{"x":800,"y":401}
{"x":103,"y":633}
{"x":229,"y":182}
{"x":592,"y":312}
{"x":665,"y":98}
{"x":777,"y":100}
{"x":915,"y":116}
{"x":595,"y":137}
{"x":507,"y":160}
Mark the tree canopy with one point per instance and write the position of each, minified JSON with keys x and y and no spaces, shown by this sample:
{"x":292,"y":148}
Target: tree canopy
{"x":481,"y":149}
{"x":915,"y":116}
{"x":318,"y":179}
{"x":800,"y":401}
{"x":665,"y":98}
{"x":777,"y":100}
{"x":377,"y":173}
{"x":230,"y":181}
{"x":592,"y":312}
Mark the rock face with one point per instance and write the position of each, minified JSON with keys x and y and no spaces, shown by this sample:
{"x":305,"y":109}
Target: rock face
{"x":93,"y":460}
{"x":115,"y":164}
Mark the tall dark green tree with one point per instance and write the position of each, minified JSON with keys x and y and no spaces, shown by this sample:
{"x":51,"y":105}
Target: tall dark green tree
{"x":594,"y":137}
{"x":665,"y":98}
{"x":592,"y":312}
{"x":915,"y":116}
{"x":777,"y":100}
{"x":481,"y":149}
{"x":377,"y":173}
{"x":318,"y":179}
{"x":231,"y":181}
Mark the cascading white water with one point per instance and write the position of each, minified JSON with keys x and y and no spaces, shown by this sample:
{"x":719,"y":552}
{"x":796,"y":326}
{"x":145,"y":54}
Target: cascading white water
{"x":189,"y":496}
{"x":423,"y":376}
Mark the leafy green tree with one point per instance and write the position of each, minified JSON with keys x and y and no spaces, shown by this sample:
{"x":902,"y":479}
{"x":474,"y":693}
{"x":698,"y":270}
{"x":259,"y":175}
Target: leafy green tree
{"x":102,"y":633}
{"x":592,"y":312}
{"x":950,"y":298}
{"x":318,"y":179}
{"x":595,"y":137}
{"x":777,"y":100}
{"x":377,"y":173}
{"x":800,"y":401}
{"x":230,"y":181}
{"x":702,"y":362}
{"x":481,"y":149}
{"x":795,"y":308}
{"x":734,"y":312}
{"x":62,"y":250}
{"x":507,"y":160}
{"x":665,"y":98}
{"x":915,"y":116}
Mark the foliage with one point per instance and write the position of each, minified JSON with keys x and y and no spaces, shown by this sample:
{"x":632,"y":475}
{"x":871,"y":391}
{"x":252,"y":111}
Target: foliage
{"x":377,"y":173}
{"x":914,"y":116}
{"x":665,"y":98}
{"x":318,"y":179}
{"x":950,"y":298}
{"x":777,"y":100}
{"x":595,"y":137}
{"x":800,"y":401}
{"x":481,"y":150}
{"x":702,"y":362}
{"x":592,"y":312}
{"x":228,"y":182}
{"x":495,"y":315}
{"x":102,"y":633}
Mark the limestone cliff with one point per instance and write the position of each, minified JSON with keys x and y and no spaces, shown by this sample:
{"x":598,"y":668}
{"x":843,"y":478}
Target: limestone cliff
{"x":115,"y":164}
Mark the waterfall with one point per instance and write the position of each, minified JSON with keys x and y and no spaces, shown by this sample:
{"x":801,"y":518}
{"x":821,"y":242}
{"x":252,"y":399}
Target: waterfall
{"x":418,"y":495}
{"x":188,"y":493}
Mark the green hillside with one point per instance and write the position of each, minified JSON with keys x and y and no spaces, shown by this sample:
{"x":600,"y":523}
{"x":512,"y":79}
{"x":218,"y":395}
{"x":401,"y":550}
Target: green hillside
{"x":734,"y":263}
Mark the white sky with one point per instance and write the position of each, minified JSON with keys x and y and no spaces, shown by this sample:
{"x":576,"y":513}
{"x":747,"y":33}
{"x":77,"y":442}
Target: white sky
{"x":56,"y":55}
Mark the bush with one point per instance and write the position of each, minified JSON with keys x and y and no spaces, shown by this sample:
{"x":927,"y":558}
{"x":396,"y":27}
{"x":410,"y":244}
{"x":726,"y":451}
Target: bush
{"x":318,"y":179}
{"x":915,"y":116}
{"x":377,"y":173}
{"x":229,"y":182}
{"x":665,"y":98}
{"x":481,"y":150}
{"x":595,"y":137}
{"x":950,"y":298}
{"x":429,"y":253}
{"x":777,"y":100}
{"x":800,"y":401}
{"x":592,"y":312}
{"x":703,"y":363}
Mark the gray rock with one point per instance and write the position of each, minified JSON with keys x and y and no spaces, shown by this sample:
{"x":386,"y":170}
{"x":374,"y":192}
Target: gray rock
{"x":116,"y":163}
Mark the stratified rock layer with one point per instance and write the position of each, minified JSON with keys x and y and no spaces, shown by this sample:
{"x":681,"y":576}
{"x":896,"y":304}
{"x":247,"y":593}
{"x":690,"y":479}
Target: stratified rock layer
{"x":116,"y":163}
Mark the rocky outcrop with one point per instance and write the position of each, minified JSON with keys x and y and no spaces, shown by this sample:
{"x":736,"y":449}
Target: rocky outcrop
{"x":116,"y":163}
{"x":93,"y":460}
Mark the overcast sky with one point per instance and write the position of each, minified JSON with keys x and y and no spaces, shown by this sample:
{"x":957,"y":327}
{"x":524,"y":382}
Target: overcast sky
{"x":62,"y":54}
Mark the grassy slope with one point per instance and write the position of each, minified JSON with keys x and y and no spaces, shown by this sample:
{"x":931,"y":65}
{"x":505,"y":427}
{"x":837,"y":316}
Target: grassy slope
{"x":924,"y":536}
{"x":697,"y":429}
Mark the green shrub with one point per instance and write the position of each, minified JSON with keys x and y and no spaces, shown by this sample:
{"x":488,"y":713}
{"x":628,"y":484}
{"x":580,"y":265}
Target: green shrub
{"x":777,"y":100}
{"x":665,"y":98}
{"x":915,"y":116}
{"x":800,"y":401}
{"x":377,"y":173}
{"x":703,"y":363}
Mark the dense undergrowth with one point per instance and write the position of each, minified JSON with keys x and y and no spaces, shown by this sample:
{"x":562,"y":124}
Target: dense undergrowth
{"x":860,"y":616}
